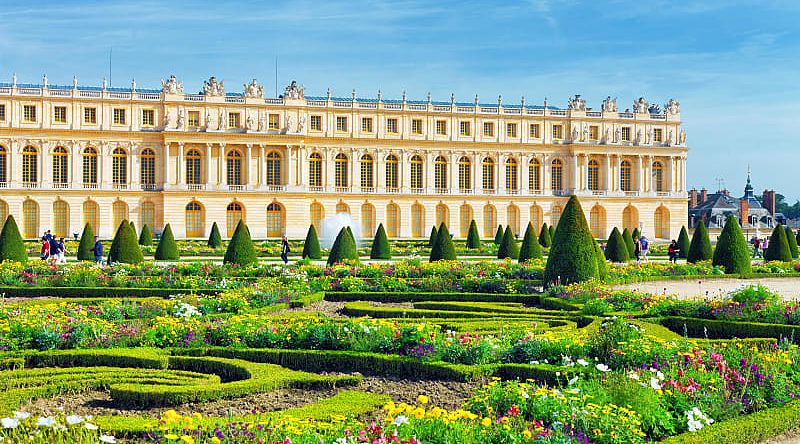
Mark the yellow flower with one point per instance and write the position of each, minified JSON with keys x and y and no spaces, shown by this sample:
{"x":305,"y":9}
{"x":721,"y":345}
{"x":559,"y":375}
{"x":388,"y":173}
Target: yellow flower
{"x":486,"y":422}
{"x":187,"y":439}
{"x":422,"y":399}
{"x":527,"y":434}
{"x":171,"y":437}
{"x":215,"y":440}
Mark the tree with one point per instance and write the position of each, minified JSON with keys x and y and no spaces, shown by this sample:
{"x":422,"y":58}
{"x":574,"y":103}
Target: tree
{"x":432,"y":238}
{"x":311,"y":247}
{"x":125,"y":247}
{"x":344,"y":247}
{"x":167,"y":249}
{"x":12,"y":247}
{"x":214,"y":239}
{"x":113,"y":251}
{"x":86,"y":244}
{"x":628,"y":239}
{"x":573,"y":256}
{"x":498,"y":235}
{"x":443,"y":249}
{"x":240,"y":249}
{"x":146,"y":237}
{"x":133,"y":227}
{"x":700,"y":248}
{"x":683,"y":243}
{"x":545,"y":239}
{"x":473,"y":238}
{"x":508,"y":246}
{"x":602,"y":267}
{"x":380,"y":245}
{"x":798,"y":237}
{"x":636,"y":234}
{"x":530,"y":248}
{"x":778,"y":248}
{"x":792,"y":243}
{"x":616,"y":250}
{"x":552,"y":230}
{"x":732,"y":251}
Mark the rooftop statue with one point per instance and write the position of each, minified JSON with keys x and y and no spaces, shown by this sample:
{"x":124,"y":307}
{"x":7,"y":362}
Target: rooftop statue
{"x":253,"y":90}
{"x":640,"y":106}
{"x":672,"y":107}
{"x":293,"y":91}
{"x":172,"y":86}
{"x":577,"y":103}
{"x":610,"y":105}
{"x":213,"y":88}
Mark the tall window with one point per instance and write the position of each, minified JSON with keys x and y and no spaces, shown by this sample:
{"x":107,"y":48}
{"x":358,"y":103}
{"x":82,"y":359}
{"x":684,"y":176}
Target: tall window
{"x":511,"y":130}
{"x":367,"y":220}
{"x":3,"y":211}
{"x":416,"y":126}
{"x":91,"y":215}
{"x":488,"y":174}
{"x":392,"y":220}
{"x":488,"y":129}
{"x":556,"y":171}
{"x":625,"y":175}
{"x":662,"y":222}
{"x":194,"y":219}
{"x":316,"y":123}
{"x":464,"y":218}
{"x":30,"y":165}
{"x":558,"y":131}
{"x":658,"y":135}
{"x":90,"y":166}
{"x":317,"y":213}
{"x":315,"y":170}
{"x":658,"y":176}
{"x":342,"y":207}
{"x":464,"y":173}
{"x":60,"y":218}
{"x":3,"y":167}
{"x":536,"y":217}
{"x":489,"y":221}
{"x":119,"y":116}
{"x":274,"y":121}
{"x":29,"y":113}
{"x":60,"y":114}
{"x":465,"y":129}
{"x":148,"y":165}
{"x":233,"y":214}
{"x":147,"y":211}
{"x":340,"y":164}
{"x":234,"y":120}
{"x":341,"y":123}
{"x":597,"y":221}
{"x":30,"y":219}
{"x":366,"y":124}
{"x":511,"y":174}
{"x":626,"y":134}
{"x":233,"y":162}
{"x":391,"y":172}
{"x":192,"y":122}
{"x":555,"y":215}
{"x":630,"y":218}
{"x":119,"y":167}
{"x":417,"y":219}
{"x":512,"y":217}
{"x":119,"y":212}
{"x":90,"y":116}
{"x":367,"y":169}
{"x":534,"y":175}
{"x":442,"y":215}
{"x":60,"y":165}
{"x":274,"y":220}
{"x":193,"y":169}
{"x":533,"y":131}
{"x":274,"y":168}
{"x":594,"y":132}
{"x":416,"y":172}
{"x":593,"y":175}
{"x":441,"y":127}
{"x":391,"y":126}
{"x":440,"y":172}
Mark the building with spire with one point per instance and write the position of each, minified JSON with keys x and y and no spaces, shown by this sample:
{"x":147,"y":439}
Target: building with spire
{"x":714,"y":209}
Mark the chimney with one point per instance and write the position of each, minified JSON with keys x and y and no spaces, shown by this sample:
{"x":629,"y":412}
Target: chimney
{"x":744,"y":211}
{"x":703,"y":195}
{"x":768,"y":201}
{"x":693,"y":198}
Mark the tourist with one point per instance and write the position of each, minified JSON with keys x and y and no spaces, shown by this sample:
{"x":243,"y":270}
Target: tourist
{"x":644,"y":247}
{"x":285,"y":249}
{"x":756,"y":246}
{"x":637,"y":248}
{"x":672,"y":250}
{"x":97,"y":249}
{"x":44,"y":254}
{"x":53,"y":248}
{"x":764,"y":245}
{"x":62,"y":251}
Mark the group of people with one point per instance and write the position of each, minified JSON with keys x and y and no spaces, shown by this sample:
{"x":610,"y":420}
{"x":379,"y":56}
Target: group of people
{"x":759,"y":246}
{"x":53,"y":250}
{"x":641,"y":247}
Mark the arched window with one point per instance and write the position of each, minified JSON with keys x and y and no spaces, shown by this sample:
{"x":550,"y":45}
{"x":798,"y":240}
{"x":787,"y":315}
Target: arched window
{"x":233,"y":162}
{"x":662,"y":222}
{"x":193,"y":160}
{"x":342,"y":207}
{"x":512,"y":216}
{"x":417,"y":220}
{"x":440,"y":173}
{"x":534,"y":175}
{"x":91,"y":215}
{"x":593,"y":176}
{"x":30,"y":166}
{"x":465,"y":218}
{"x":60,"y":165}
{"x":536,"y":218}
{"x":60,"y":218}
{"x":340,"y":164}
{"x":367,"y":170}
{"x":597,"y":221}
{"x":658,"y":176}
{"x":233,"y":214}
{"x":556,"y":175}
{"x":511,"y":174}
{"x":442,"y":216}
{"x":275,"y":220}
{"x":3,"y":165}
{"x":315,"y":170}
{"x":147,"y":212}
{"x":90,"y":166}
{"x":194,"y":219}
{"x":488,"y":174}
{"x":416,"y":172}
{"x":630,"y":218}
{"x":317,"y":215}
{"x":392,"y":220}
{"x":148,"y":168}
{"x":367,"y":220}
{"x":489,"y":221}
{"x":30,"y":219}
{"x":274,"y":168}
{"x":464,"y":174}
{"x":625,"y":175}
{"x":3,"y":211}
{"x":392,"y":182}
{"x":555,"y":215}
{"x":119,"y":212}
{"x":119,"y":167}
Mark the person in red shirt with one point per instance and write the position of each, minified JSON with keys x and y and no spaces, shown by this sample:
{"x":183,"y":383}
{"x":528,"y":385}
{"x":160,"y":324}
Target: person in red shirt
{"x":672,"y":250}
{"x":45,"y":253}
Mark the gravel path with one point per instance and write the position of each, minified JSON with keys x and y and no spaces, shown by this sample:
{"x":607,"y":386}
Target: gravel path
{"x":788,"y":287}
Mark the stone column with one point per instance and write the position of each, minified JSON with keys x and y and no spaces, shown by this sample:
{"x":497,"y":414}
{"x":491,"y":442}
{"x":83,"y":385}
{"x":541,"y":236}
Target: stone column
{"x":429,"y":172}
{"x":649,"y":175}
{"x":330,"y":177}
{"x":546,"y":179}
{"x":74,"y":156}
{"x":14,"y":170}
{"x":102,"y":155}
{"x":134,"y":166}
{"x":301,"y":164}
{"x":46,"y":176}
{"x":291,"y":165}
{"x":501,"y":174}
{"x":640,"y":175}
{"x":405,"y":175}
{"x":222,"y":167}
{"x":380,"y":171}
{"x":248,"y":160}
{"x":454,"y":161}
{"x":575,"y":173}
{"x":609,"y":175}
{"x":671,"y":174}
{"x":262,"y":164}
{"x":207,"y":164}
{"x":166,"y":168}
{"x":524,"y":173}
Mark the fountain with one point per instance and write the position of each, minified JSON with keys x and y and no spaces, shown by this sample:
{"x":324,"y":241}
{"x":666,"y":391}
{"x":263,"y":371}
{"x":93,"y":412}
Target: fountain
{"x":332,"y":225}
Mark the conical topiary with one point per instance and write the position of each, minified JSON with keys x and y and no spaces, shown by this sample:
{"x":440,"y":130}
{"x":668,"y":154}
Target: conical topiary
{"x":530,"y":248}
{"x":552,"y":230}
{"x":146,"y":237}
{"x":573,"y":256}
{"x":700,"y":248}
{"x":443,"y":249}
{"x":616,"y":250}
{"x":602,"y":267}
{"x":240,"y":249}
{"x":311,"y":247}
{"x":167,"y":249}
{"x":778,"y":248}
{"x":344,"y":247}
{"x":683,"y":243}
{"x":636,"y":234}
{"x":498,"y":235}
{"x":133,"y":227}
{"x":125,"y":247}
{"x":508,"y":246}
{"x":214,"y":239}
{"x":380,"y":245}
{"x":545,"y":239}
{"x":432,"y":238}
{"x":86,"y":244}
{"x":473,"y":238}
{"x":628,"y":239}
{"x":732,"y":252}
{"x":797,"y":238}
{"x":12,"y":247}
{"x":113,"y":251}
{"x":792,"y":243}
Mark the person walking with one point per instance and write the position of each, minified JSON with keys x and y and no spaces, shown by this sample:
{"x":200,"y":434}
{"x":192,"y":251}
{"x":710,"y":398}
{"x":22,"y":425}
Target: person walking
{"x":97,"y":249}
{"x":285,"y":250}
{"x":756,"y":247}
{"x":44,"y":254}
{"x":672,"y":250}
{"x":637,"y":249}
{"x":53,"y":248}
{"x":62,"y":251}
{"x":645,"y":246}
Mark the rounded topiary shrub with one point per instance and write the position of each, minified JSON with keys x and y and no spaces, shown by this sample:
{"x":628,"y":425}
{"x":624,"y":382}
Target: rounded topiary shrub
{"x":311,"y":247}
{"x":552,"y":230}
{"x":545,"y":239}
{"x":125,"y":247}
{"x":473,"y":238}
{"x":628,"y":239}
{"x":616,"y":250}
{"x":146,"y":236}
{"x":530,"y":248}
{"x":778,"y":247}
{"x":240,"y":249}
{"x":683,"y":243}
{"x":498,"y":235}
{"x":443,"y":249}
{"x":214,"y":239}
{"x":573,"y":256}
{"x":508,"y":246}
{"x":113,"y":251}
{"x":732,"y":252}
{"x":86,"y":244}
{"x":380,"y":245}
{"x":344,"y":247}
{"x":636,"y":234}
{"x":602,"y":267}
{"x":167,"y":249}
{"x":700,"y":247}
{"x":792,"y":243}
{"x":432,"y":237}
{"x":12,"y":248}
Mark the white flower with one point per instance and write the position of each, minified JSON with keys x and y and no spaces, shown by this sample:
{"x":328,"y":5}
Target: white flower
{"x":602,"y":367}
{"x":634,"y":376}
{"x":74,"y":419}
{"x":573,"y":380}
{"x":655,"y":384}
{"x":400,"y":420}
{"x":534,"y":362}
{"x":108,"y":439}
{"x":696,"y":420}
{"x":22,"y":415}
{"x":46,"y":422}
{"x":582,"y":362}
{"x":90,"y":426}
{"x":9,"y":423}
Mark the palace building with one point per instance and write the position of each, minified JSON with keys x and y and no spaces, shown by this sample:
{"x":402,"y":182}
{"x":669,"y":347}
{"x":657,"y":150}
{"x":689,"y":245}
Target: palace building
{"x":71,"y":155}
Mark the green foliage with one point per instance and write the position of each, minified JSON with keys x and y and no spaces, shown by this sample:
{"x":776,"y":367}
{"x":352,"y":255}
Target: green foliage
{"x":214,"y":239}
{"x":616,"y":250}
{"x":443,"y":249}
{"x":344,"y":247}
{"x":628,"y":238}
{"x":700,"y":248}
{"x":473,"y":238}
{"x":792,"y":243}
{"x":636,"y":234}
{"x":380,"y":245}
{"x":167,"y":249}
{"x":798,"y":238}
{"x":86,"y":244}
{"x":602,"y":266}
{"x":432,"y":238}
{"x":311,"y":247}
{"x":498,"y":236}
{"x":508,"y":246}
{"x":12,"y":248}
{"x":732,"y":252}
{"x":545,"y":239}
{"x":552,"y":230}
{"x":573,"y":256}
{"x":240,"y":249}
{"x":778,"y":248}
{"x":125,"y":247}
{"x":530,"y":248}
{"x":683,"y":243}
{"x":146,"y":237}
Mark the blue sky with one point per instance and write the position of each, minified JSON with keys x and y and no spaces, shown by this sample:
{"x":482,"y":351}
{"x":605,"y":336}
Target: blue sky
{"x":734,"y":65}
